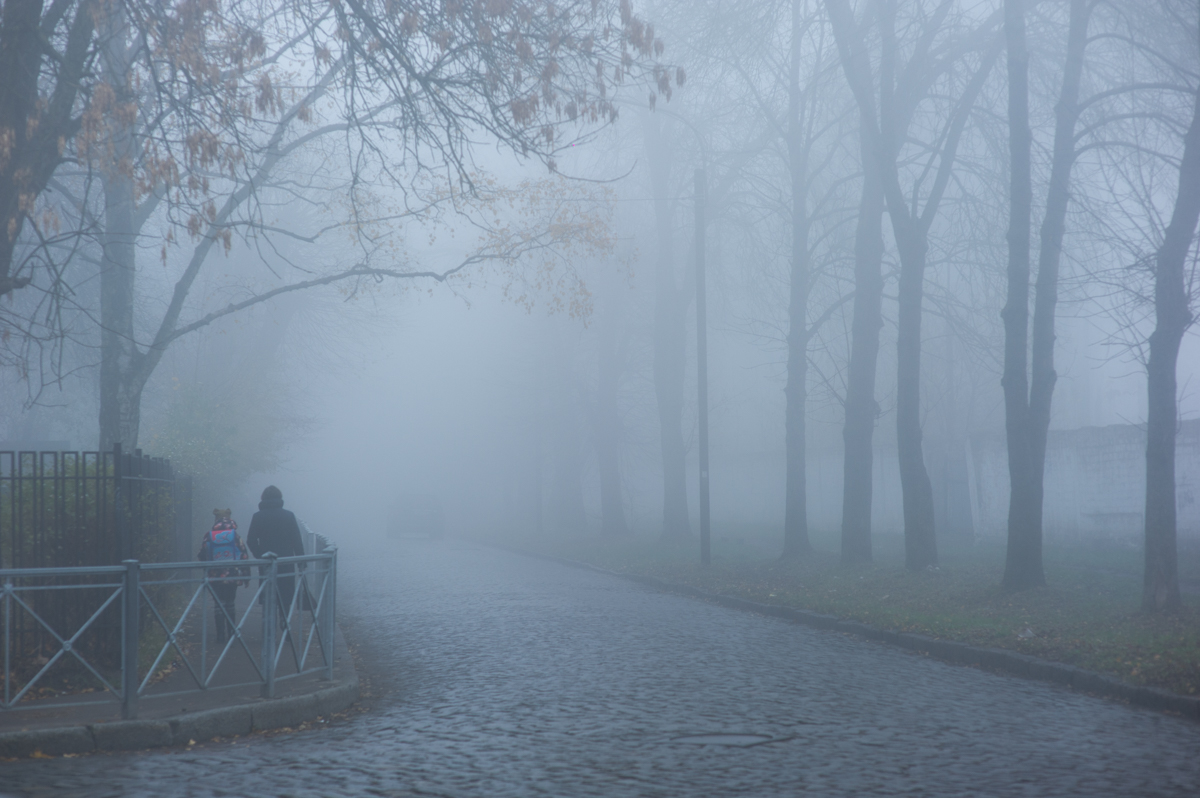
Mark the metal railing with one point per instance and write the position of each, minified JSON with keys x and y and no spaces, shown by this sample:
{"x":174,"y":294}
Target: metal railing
{"x":166,"y":643}
{"x":79,"y":509}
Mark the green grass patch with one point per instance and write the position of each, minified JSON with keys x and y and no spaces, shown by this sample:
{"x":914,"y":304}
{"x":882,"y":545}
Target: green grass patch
{"x":1086,"y":615}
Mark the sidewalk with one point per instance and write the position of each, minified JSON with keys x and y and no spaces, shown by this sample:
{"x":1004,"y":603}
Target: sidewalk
{"x":172,"y":712}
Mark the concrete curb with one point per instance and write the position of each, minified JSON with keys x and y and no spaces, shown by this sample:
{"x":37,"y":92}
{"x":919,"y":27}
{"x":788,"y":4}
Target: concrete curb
{"x":994,"y":659}
{"x":128,"y":735}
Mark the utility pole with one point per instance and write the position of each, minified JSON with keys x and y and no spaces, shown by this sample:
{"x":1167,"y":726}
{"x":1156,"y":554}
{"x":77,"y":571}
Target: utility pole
{"x":702,"y":364}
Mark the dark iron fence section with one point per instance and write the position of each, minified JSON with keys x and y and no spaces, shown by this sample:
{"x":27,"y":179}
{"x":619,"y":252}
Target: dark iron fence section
{"x":144,"y":490}
{"x":57,"y":509}
{"x":84,"y":510}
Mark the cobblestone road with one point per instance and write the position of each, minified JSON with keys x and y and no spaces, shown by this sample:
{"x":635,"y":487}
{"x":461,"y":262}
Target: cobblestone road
{"x":497,"y":675}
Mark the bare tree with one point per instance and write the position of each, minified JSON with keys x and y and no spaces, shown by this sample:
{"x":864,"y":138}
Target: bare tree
{"x":798,"y":122}
{"x":811,"y":119}
{"x":521,"y":74}
{"x":529,"y":74}
{"x":861,"y":406}
{"x":69,"y":100}
{"x":674,"y":286}
{"x":1027,"y":404}
{"x":887,"y":113}
{"x":612,"y":355}
{"x":1135,"y":130}
{"x":46,"y":60}
{"x":671,"y":301}
{"x":1173,"y":316}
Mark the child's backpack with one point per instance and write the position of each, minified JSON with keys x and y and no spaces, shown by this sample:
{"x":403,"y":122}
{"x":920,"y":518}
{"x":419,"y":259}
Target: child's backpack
{"x":222,"y":545}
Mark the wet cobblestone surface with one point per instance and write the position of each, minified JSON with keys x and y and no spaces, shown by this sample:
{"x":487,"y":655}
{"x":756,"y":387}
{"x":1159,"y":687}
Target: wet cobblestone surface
{"x":498,"y":675}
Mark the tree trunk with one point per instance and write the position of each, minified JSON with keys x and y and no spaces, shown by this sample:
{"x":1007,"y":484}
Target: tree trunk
{"x":569,"y":513}
{"x":120,"y":383}
{"x":21,"y":53}
{"x":868,"y":286}
{"x":534,"y":498}
{"x":911,"y":231}
{"x":608,"y":429}
{"x":1023,"y":566}
{"x":795,"y":512}
{"x":893,"y":109}
{"x":1045,"y":301}
{"x":120,"y":391}
{"x":566,"y":507}
{"x":920,"y":541}
{"x":669,"y":346}
{"x":861,"y":408}
{"x":1160,"y":590}
{"x":607,"y":414}
{"x":912,"y":242}
{"x":612,"y":508}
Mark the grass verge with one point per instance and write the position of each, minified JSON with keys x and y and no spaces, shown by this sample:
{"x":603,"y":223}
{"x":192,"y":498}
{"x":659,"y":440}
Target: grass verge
{"x":1086,"y":615}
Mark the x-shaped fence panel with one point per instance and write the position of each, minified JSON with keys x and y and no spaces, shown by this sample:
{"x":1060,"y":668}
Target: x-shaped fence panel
{"x":283,"y":630}
{"x":196,"y":665}
{"x":21,"y":596}
{"x":293,"y":616}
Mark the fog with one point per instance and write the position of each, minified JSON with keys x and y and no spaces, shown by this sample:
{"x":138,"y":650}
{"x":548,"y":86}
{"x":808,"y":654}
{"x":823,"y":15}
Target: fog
{"x":452,"y":396}
{"x":489,"y":307}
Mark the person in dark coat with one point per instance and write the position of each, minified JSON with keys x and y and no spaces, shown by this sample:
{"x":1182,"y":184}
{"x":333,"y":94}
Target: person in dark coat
{"x":274,"y":529}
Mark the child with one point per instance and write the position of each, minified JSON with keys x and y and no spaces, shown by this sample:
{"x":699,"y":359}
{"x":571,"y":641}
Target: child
{"x":222,"y":544}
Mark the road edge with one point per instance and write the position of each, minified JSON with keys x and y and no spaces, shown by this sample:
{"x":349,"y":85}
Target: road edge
{"x":233,"y":721}
{"x":999,"y":660}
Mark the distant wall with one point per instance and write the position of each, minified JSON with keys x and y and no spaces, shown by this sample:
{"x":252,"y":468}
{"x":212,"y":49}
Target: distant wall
{"x":1095,"y":482}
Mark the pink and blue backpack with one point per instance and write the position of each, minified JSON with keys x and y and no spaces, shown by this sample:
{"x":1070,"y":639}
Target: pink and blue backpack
{"x":222,"y":545}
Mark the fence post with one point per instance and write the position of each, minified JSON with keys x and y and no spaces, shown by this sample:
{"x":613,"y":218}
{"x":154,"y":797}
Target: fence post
{"x":130,"y":605}
{"x":270,"y":616}
{"x":8,"y":589}
{"x":330,"y":620}
{"x":119,"y":503}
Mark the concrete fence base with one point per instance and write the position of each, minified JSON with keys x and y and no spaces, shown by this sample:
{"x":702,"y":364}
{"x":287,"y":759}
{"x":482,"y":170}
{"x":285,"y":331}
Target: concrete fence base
{"x":129,"y":735}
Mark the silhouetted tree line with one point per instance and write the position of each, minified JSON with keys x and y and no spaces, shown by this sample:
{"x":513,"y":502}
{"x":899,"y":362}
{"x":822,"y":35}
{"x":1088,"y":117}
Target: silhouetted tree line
{"x":962,"y":125}
{"x":821,"y":119}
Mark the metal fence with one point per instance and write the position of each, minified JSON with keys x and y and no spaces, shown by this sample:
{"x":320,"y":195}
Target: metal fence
{"x":165,"y":635}
{"x":78,"y":509}
{"x":64,"y":510}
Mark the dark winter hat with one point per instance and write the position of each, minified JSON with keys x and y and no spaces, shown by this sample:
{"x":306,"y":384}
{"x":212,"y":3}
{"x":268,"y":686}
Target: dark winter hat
{"x":272,"y":493}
